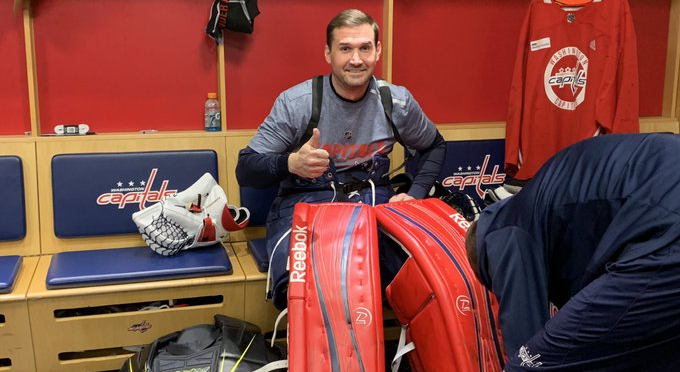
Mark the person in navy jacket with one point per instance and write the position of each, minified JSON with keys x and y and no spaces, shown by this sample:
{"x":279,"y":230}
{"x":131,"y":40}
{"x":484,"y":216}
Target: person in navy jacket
{"x":596,"y":235}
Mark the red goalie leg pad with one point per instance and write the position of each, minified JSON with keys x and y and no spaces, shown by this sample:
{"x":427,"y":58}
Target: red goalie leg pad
{"x":451,"y":317}
{"x":334,"y":307}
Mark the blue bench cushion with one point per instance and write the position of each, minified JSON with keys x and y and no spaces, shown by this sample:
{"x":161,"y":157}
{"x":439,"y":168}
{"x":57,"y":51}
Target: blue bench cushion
{"x":96,"y":194}
{"x":12,"y":208}
{"x":470,"y":166}
{"x":9,"y":270}
{"x":258,"y":202}
{"x":258,"y":249}
{"x":136,"y":264}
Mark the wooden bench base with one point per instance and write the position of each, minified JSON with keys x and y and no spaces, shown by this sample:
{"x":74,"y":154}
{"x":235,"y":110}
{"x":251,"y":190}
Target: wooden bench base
{"x":16,"y":344}
{"x":95,"y":328}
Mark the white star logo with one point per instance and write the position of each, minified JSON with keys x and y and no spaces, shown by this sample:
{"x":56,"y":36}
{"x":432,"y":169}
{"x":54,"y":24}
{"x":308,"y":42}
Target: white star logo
{"x":478,"y":167}
{"x":120,"y":184}
{"x":131,"y":183}
{"x":469,"y":168}
{"x":460,"y":169}
{"x":142,"y":183}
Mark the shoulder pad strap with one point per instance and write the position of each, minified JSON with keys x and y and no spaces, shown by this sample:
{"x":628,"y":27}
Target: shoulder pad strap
{"x":386,"y":99}
{"x":317,"y":96}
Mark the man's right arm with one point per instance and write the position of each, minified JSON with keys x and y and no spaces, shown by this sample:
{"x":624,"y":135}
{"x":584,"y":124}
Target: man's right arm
{"x":261,"y":170}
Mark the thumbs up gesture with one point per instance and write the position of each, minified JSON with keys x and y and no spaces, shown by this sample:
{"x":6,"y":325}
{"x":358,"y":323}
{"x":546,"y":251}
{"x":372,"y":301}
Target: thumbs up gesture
{"x":310,"y":161}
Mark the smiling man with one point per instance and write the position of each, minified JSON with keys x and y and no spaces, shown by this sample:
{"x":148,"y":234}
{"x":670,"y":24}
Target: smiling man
{"x":327,"y":139}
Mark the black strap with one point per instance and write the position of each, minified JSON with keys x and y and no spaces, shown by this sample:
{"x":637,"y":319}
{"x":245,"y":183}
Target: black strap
{"x":386,"y":99}
{"x":317,"y":95}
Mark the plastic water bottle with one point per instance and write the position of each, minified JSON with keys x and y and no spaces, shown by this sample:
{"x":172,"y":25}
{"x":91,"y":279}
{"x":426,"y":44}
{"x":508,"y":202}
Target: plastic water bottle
{"x":212,"y":114}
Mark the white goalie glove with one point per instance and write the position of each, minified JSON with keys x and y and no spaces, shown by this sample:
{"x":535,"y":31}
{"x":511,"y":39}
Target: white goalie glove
{"x":195,"y":217}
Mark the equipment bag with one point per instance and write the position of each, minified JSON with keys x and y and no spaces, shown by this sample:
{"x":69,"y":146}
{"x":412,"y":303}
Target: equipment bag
{"x":334,"y":306}
{"x":230,"y":345}
{"x":448,"y":318}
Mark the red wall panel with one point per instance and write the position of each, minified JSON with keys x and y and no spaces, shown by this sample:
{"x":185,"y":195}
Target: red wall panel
{"x":129,"y":65}
{"x":459,"y":62}
{"x":14,"y":109}
{"x":121,"y":65}
{"x":286,"y":48}
{"x":651,"y":19}
{"x":456,"y":56}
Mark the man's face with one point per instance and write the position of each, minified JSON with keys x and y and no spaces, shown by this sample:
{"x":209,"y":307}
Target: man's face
{"x":352,"y":56}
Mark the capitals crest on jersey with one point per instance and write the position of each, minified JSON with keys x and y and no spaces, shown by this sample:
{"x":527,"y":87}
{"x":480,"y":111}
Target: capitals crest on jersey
{"x":565,"y":78}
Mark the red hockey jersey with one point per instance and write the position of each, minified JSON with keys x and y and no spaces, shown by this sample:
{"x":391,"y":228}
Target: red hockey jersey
{"x":576,"y":76}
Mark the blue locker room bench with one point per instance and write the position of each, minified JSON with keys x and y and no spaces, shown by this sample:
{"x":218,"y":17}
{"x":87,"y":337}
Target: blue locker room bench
{"x":131,"y":294}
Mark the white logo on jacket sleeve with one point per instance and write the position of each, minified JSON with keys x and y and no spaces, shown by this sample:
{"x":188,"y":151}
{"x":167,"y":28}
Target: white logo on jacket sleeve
{"x":528,"y":360}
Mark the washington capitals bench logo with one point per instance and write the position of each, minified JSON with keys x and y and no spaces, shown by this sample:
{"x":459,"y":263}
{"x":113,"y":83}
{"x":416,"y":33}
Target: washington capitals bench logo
{"x":475,"y":176}
{"x":131,"y":192}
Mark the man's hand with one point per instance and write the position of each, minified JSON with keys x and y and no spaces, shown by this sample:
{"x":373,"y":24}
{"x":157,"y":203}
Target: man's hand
{"x":401,"y":197}
{"x":310,"y":161}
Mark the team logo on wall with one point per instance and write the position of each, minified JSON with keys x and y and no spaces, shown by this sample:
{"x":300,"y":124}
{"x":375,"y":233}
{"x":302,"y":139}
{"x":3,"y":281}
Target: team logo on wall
{"x":475,"y":175}
{"x":131,"y":192}
{"x":565,"y":78}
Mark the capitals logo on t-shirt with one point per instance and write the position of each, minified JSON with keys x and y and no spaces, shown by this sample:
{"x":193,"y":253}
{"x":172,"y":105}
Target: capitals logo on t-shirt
{"x":565,"y":78}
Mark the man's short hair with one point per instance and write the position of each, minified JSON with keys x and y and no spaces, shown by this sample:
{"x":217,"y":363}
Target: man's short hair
{"x":471,"y":247}
{"x":350,"y":18}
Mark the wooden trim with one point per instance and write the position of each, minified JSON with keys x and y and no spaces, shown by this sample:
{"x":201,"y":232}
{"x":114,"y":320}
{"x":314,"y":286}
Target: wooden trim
{"x":659,"y":124}
{"x":222,"y":83}
{"x":388,"y":40}
{"x":31,"y":69}
{"x":671,"y":94}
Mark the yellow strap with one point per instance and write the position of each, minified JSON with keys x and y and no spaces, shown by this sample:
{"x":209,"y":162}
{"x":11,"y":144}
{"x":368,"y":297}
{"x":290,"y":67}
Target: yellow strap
{"x":239,"y":359}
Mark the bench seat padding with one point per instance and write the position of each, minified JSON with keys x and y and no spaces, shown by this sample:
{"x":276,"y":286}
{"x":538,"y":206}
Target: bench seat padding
{"x":136,"y":264}
{"x":12,"y":209}
{"x":258,"y":249}
{"x":96,"y":194}
{"x":9,"y":270}
{"x":258,"y":202}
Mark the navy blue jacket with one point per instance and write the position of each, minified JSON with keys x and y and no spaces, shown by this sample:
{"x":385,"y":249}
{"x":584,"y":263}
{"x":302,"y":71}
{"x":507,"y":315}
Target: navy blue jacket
{"x":605,"y":199}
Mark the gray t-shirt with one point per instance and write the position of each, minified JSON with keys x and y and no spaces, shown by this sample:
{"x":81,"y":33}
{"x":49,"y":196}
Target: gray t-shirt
{"x":351,"y":132}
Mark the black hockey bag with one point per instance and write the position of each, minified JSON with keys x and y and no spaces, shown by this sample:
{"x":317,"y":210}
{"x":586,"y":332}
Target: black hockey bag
{"x":230,"y":345}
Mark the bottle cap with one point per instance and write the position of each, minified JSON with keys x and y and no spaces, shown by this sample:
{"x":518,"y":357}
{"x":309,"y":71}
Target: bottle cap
{"x":212,"y":95}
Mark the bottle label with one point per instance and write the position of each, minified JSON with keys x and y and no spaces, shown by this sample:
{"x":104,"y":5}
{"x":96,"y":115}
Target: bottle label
{"x":212,"y":121}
